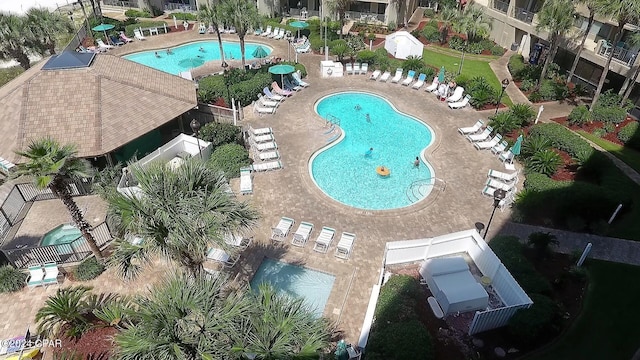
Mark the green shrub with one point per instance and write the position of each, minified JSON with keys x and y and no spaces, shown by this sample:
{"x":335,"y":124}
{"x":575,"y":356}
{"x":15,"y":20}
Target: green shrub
{"x":133,"y":13}
{"x":509,"y":251}
{"x":599,"y":132}
{"x":544,"y":162}
{"x":530,"y":72}
{"x":142,"y":24}
{"x":563,"y":139}
{"x":220,"y":133}
{"x":184,"y":16}
{"x":548,"y":90}
{"x":366,"y":56}
{"x":535,"y":97}
{"x":516,"y":66}
{"x":392,"y":26}
{"x":462,"y":80}
{"x":579,"y":115}
{"x":523,"y":112}
{"x":397,"y":300}
{"x":429,"y":13}
{"x":527,"y":85}
{"x":457,"y":43}
{"x":88,"y":269}
{"x":414,"y":63}
{"x":535,"y":324}
{"x":432,"y":34}
{"x":628,"y":132}
{"x":432,"y":23}
{"x":407,"y":340}
{"x":609,"y":128}
{"x":247,"y":91}
{"x":482,"y":95}
{"x":610,"y":98}
{"x":497,"y":50}
{"x":11,"y":279}
{"x":534,"y":144}
{"x":610,"y":115}
{"x":316,"y":42}
{"x":486,"y":44}
{"x":503,"y":123}
{"x":229,"y":158}
{"x":474,"y":48}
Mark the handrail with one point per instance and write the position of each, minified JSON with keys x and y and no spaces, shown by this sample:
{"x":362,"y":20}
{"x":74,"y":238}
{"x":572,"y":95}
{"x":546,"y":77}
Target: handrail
{"x":332,"y":119}
{"x":433,"y":181}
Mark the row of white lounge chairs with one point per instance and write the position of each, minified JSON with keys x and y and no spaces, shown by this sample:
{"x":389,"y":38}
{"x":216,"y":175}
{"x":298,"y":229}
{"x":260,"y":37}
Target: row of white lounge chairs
{"x":343,"y":250}
{"x":456,"y":101}
{"x":265,"y":149}
{"x":270,"y":99}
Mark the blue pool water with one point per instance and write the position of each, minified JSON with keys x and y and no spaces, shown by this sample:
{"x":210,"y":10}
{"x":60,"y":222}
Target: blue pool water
{"x":188,"y":56}
{"x":313,"y":286}
{"x":62,"y":234}
{"x":348,"y":174}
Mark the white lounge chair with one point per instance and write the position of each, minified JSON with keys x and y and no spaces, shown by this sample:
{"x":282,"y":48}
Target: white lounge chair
{"x":50,"y":273}
{"x":418,"y":84}
{"x":345,"y":245}
{"x":266,"y":102}
{"x":281,"y":231}
{"x":471,"y":129}
{"x":262,"y":138}
{"x":489,"y":191}
{"x":36,"y":276}
{"x":460,"y":104}
{"x":263,"y":110}
{"x":267,"y":32}
{"x":356,"y":68}
{"x":375,"y":75}
{"x":246,"y":181}
{"x":222,"y":256}
{"x":504,"y":177}
{"x":260,"y":131}
{"x":364,"y":68}
{"x":482,"y":136}
{"x":324,"y":240}
{"x":272,"y":96}
{"x":301,"y":235}
{"x":275,"y":33}
{"x":397,"y":76}
{"x":237,"y":240}
{"x":268,"y":146}
{"x":433,"y":86}
{"x":385,"y":76}
{"x":280,"y":35}
{"x":500,"y":147}
{"x":138,"y":34}
{"x":269,"y":155}
{"x":506,"y":156}
{"x":409,"y":79}
{"x":296,"y":77}
{"x":497,"y":184}
{"x":348,"y":69}
{"x":457,"y":94}
{"x":102,"y":45}
{"x":267,"y":166}
{"x":484,"y":145}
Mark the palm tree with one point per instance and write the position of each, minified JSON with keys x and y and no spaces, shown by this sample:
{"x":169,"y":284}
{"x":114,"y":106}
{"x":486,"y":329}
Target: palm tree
{"x":541,"y":242}
{"x":210,"y":14}
{"x":181,"y":213}
{"x":630,"y":82}
{"x":67,"y":308}
{"x":46,"y":26}
{"x":183,"y":318}
{"x":623,"y":12}
{"x":474,"y":23}
{"x":243,"y":14}
{"x":15,"y":42}
{"x":340,"y":7}
{"x":448,"y":16}
{"x":555,"y":17}
{"x":280,"y":327}
{"x":54,"y":166}
{"x":592,"y":13}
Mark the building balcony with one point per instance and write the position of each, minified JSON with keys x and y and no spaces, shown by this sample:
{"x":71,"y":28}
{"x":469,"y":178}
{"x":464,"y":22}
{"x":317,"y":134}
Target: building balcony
{"x":620,"y":54}
{"x":502,"y":6}
{"x":524,"y":15}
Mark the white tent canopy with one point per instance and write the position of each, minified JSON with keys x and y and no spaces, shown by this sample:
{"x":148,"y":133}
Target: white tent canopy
{"x":401,"y":45}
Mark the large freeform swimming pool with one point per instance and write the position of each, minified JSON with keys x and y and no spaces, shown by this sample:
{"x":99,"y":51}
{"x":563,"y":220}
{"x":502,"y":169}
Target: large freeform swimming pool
{"x":313,"y":286}
{"x":188,"y":56}
{"x":347,"y":171}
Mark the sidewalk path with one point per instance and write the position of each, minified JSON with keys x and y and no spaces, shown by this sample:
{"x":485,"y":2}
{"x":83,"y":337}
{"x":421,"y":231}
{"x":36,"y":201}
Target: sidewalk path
{"x":499,"y":67}
{"x":604,"y":248}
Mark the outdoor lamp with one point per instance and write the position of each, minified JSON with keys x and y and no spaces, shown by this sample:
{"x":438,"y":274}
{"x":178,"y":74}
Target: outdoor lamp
{"x":195,"y":126}
{"x":504,"y":84}
{"x":498,"y":196}
{"x":225,"y":67}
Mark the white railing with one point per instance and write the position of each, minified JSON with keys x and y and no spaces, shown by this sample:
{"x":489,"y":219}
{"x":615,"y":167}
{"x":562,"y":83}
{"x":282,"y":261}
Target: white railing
{"x":620,"y":54}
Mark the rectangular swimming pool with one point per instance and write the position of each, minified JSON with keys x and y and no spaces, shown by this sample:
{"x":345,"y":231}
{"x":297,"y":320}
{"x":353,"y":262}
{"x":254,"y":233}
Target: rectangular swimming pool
{"x":313,"y":286}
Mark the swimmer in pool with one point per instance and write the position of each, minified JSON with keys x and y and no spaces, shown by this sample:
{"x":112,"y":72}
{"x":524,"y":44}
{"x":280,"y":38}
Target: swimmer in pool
{"x":368,"y":153}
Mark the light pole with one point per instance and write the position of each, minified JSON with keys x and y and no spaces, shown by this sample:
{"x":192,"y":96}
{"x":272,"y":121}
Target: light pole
{"x":289,"y":49}
{"x":498,"y":196}
{"x":225,"y":73}
{"x":504,"y":84}
{"x":195,"y":126}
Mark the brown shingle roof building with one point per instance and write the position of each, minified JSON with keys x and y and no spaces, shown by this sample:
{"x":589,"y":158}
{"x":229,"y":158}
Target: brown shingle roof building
{"x":99,"y":107}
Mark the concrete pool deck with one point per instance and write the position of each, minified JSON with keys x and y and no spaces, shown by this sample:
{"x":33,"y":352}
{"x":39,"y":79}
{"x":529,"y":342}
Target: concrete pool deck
{"x":291,"y":192}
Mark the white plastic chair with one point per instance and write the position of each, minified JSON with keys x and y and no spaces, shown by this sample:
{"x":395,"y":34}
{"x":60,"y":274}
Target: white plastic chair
{"x":302,"y":234}
{"x":324,"y":240}
{"x":345,"y":245}
{"x":471,"y":129}
{"x":281,"y":231}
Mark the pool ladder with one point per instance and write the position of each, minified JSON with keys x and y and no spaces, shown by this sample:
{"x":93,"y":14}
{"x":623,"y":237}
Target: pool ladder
{"x":334,"y":128}
{"x":417,"y":190}
{"x":331,"y":120}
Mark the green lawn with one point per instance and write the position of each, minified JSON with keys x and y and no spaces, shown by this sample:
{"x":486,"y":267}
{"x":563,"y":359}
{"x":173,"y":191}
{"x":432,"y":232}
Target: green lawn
{"x":607,"y":327}
{"x":9,"y":74}
{"x":630,"y":156}
{"x":470,"y":68}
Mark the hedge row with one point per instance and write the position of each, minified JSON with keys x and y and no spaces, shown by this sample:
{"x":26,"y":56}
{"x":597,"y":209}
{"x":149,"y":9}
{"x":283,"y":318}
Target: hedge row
{"x":397,"y":332}
{"x":563,"y":139}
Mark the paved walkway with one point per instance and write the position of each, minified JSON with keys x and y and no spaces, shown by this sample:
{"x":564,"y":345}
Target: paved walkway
{"x":499,"y":67}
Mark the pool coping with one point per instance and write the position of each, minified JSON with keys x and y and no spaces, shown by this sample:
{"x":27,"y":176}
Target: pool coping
{"x":429,"y":150}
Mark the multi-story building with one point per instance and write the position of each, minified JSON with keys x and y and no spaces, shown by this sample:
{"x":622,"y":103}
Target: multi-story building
{"x":514,"y":25}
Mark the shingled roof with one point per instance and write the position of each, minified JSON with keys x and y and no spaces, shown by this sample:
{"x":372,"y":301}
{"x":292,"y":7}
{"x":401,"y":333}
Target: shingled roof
{"x":99,"y":108}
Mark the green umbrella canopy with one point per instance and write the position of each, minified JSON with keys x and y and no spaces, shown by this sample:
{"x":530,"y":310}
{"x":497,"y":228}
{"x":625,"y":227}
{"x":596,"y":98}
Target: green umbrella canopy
{"x":299,"y":25}
{"x":515,"y":149}
{"x":281,"y":69}
{"x":341,"y":351}
{"x":441,"y":75}
{"x":103,"y":27}
{"x":259,"y":53}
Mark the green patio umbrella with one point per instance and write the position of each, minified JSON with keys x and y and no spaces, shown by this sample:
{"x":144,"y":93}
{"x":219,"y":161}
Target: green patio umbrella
{"x":281,"y":70}
{"x":341,"y":351}
{"x":299,"y":25}
{"x":441,"y":75}
{"x":259,"y":53}
{"x":515,"y":149}
{"x":104,"y":28}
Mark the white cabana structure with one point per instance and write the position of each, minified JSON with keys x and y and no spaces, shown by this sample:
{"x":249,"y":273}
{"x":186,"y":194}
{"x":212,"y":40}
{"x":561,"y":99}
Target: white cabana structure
{"x":402,"y":44}
{"x":446,"y":272}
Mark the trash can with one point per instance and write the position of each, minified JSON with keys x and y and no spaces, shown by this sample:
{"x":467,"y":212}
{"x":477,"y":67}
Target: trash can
{"x":515,"y":46}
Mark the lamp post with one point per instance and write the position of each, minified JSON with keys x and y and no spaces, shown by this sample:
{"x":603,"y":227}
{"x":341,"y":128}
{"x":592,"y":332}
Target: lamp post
{"x":498,"y":196}
{"x":289,"y":49}
{"x":225,"y":67}
{"x":195,"y":126}
{"x":504,"y":84}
